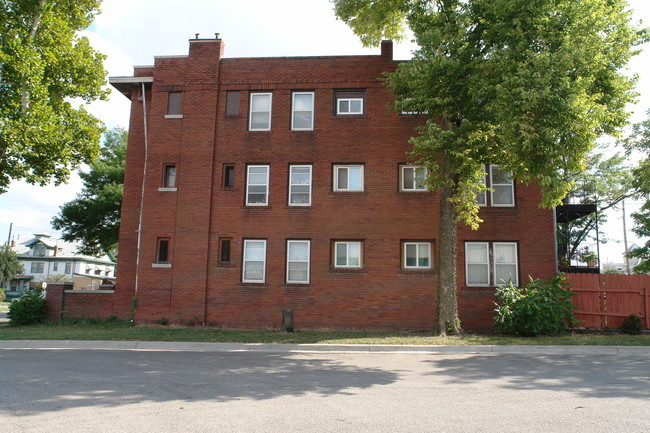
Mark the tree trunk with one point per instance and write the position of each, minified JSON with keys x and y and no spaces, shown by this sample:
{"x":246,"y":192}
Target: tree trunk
{"x":447,"y":300}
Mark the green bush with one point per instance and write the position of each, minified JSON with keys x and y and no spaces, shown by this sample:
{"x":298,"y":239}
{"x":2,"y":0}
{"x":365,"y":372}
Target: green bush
{"x":27,"y":310}
{"x":632,"y":325}
{"x":539,"y":308}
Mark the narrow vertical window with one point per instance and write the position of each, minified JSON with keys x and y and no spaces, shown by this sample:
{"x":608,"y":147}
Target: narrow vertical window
{"x":413,"y":178}
{"x":257,"y":185}
{"x":481,"y":197}
{"x":300,"y":185}
{"x":298,"y":261}
{"x":302,"y":118}
{"x":503,"y":193}
{"x":348,"y":178}
{"x":228,"y":176}
{"x":169,"y":176}
{"x":162,"y":252}
{"x":224,"y":250}
{"x":417,"y":255}
{"x":477,"y":266}
{"x":55,"y":266}
{"x":254,"y":266}
{"x":232,"y":103}
{"x":174,"y":100}
{"x":260,"y":112}
{"x":68,"y":268}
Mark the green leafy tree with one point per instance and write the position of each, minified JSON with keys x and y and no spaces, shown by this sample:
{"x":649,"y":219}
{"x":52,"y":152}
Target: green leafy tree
{"x":93,"y":217}
{"x":9,"y":265}
{"x":528,"y":85}
{"x":44,"y":66}
{"x":640,"y":141}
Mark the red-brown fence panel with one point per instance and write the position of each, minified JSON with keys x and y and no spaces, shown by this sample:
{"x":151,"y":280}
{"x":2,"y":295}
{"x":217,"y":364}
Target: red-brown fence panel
{"x":605,"y":300}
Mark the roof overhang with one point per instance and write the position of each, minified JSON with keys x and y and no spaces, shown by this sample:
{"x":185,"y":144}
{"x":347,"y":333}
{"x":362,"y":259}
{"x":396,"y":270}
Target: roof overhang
{"x":571,"y":212}
{"x":126,"y":84}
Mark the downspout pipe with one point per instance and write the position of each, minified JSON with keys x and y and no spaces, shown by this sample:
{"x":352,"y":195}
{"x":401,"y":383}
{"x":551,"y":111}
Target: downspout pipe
{"x":144,"y":177}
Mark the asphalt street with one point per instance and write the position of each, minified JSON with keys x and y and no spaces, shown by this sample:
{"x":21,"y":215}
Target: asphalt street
{"x":102,"y":386}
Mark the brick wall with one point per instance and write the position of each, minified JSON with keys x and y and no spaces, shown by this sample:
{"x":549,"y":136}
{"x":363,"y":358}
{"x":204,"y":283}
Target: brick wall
{"x":64,"y":302}
{"x":201,"y":211}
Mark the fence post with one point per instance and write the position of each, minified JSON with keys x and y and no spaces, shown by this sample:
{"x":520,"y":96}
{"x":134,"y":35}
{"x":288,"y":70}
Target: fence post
{"x":645,"y":296}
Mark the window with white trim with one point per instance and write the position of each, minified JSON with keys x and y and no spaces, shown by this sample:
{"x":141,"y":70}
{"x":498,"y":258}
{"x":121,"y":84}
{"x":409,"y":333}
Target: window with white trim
{"x":298,"y":262}
{"x":348,"y":178}
{"x":413,"y":178}
{"x":417,"y":255}
{"x":503,"y":190}
{"x":491,"y":263}
{"x":481,"y":197}
{"x":257,"y":185}
{"x":300,"y":185}
{"x":347,"y":254}
{"x":349,"y":102}
{"x":37,"y":267}
{"x":254,"y":261}
{"x":169,"y":176}
{"x":302,"y":111}
{"x":260,"y":112}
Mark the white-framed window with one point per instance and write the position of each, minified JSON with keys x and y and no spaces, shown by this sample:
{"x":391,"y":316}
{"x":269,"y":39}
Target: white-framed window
{"x":254,"y":257}
{"x":37,"y":268}
{"x":347,"y":106}
{"x":477,"y":264}
{"x":347,"y":254}
{"x":68,"y":268}
{"x":503,"y":189}
{"x":302,"y":115}
{"x":417,"y":255}
{"x":481,"y":197}
{"x":300,"y":185}
{"x":257,"y":185}
{"x":348,"y":178}
{"x":505,"y":263}
{"x":260,"y":112}
{"x":350,"y":102}
{"x":491,"y":263}
{"x":413,"y":178}
{"x":298,"y":262}
{"x":39,"y":250}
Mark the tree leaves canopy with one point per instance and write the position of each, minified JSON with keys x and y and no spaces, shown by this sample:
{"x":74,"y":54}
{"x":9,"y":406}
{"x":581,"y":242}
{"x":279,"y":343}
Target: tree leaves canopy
{"x":46,"y":70}
{"x":10,"y":266}
{"x":93,"y":217}
{"x":526,"y":84}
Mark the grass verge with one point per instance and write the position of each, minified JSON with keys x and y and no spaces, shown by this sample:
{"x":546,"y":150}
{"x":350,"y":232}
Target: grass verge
{"x":89,"y":329}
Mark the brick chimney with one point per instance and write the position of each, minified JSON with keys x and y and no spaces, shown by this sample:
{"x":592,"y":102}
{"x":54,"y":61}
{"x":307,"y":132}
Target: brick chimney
{"x":387,"y":49}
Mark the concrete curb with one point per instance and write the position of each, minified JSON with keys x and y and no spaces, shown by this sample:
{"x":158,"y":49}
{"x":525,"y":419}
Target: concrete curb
{"x":315,"y":348}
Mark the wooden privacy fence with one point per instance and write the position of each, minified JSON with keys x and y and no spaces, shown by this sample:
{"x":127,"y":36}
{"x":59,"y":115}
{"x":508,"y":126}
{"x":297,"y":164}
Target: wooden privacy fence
{"x":604,"y":300}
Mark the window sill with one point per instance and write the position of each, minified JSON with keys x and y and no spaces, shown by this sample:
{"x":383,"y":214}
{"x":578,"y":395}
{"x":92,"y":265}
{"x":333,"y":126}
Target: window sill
{"x":161,"y":265}
{"x":252,"y":285}
{"x":164,"y":189}
{"x":298,"y":206}
{"x":257,"y":207}
{"x":349,"y":270}
{"x":417,"y":271}
{"x":348,"y":192}
{"x":289,"y":286}
{"x":173,"y":116}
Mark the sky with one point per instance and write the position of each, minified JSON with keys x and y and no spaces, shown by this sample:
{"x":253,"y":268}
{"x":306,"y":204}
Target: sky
{"x":132,"y":32}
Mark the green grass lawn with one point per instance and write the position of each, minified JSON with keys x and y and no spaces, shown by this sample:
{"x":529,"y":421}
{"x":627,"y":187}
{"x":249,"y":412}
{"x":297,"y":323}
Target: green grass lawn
{"x":122,"y":331}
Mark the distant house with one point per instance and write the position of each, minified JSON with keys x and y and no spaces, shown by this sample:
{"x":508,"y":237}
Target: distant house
{"x":48,"y":259}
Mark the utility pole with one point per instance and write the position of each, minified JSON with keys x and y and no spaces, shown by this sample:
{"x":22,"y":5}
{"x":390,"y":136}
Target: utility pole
{"x":627,"y":261}
{"x":11,"y":226}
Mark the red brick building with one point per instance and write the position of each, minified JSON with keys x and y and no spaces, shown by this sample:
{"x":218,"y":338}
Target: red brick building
{"x":261,"y":184}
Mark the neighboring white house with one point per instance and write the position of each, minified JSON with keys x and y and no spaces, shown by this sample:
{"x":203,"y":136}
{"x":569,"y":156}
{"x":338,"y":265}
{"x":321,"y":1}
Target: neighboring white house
{"x":47,"y":259}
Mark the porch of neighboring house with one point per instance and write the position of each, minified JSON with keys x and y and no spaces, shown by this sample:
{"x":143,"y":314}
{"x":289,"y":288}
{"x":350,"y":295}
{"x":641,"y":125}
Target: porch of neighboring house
{"x":566,"y":214}
{"x":18,"y":286}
